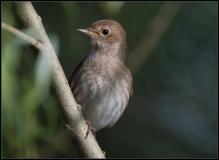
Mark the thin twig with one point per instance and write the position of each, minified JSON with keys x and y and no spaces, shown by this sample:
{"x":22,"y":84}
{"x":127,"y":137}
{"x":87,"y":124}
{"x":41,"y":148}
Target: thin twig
{"x":23,"y":36}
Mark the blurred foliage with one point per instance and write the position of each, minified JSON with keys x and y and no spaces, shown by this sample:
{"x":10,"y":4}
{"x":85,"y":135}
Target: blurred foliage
{"x":173,"y":110}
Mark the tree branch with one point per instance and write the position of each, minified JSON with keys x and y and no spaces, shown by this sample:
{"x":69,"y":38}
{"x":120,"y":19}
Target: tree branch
{"x":72,"y":118}
{"x":23,"y":36}
{"x":152,"y":36}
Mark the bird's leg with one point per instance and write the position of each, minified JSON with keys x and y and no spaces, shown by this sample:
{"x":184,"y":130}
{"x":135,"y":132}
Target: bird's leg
{"x":89,"y":128}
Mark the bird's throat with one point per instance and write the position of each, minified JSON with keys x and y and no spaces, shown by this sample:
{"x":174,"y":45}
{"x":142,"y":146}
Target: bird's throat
{"x":116,"y":50}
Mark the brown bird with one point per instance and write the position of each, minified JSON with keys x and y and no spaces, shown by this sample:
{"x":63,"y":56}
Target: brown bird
{"x":101,"y":83}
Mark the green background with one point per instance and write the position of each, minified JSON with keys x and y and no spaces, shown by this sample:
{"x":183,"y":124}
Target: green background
{"x":173,"y":111}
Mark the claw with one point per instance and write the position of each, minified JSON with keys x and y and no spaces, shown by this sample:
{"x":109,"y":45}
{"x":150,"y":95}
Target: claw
{"x":89,"y":128}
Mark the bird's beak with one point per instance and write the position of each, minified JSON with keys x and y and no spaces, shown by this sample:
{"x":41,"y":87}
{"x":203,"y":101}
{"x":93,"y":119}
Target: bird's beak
{"x":88,"y":32}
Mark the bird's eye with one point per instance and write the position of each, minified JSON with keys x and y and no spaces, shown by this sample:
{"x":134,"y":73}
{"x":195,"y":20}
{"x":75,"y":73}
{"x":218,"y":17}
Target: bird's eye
{"x":105,"y":31}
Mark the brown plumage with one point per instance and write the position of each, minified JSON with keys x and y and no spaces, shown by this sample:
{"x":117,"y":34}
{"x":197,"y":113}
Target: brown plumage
{"x":101,"y":83}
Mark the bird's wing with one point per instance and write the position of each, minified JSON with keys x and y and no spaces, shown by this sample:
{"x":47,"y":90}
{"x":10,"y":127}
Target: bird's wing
{"x":131,"y":91}
{"x":71,"y":81}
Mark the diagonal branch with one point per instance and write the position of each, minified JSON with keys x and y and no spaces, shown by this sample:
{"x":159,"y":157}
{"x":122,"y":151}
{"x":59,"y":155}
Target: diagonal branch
{"x":23,"y":36}
{"x":72,"y":118}
{"x":152,"y":36}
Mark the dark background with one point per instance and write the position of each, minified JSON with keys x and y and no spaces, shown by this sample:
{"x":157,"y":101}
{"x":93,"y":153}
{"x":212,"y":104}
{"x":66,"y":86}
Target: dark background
{"x":173,"y":111}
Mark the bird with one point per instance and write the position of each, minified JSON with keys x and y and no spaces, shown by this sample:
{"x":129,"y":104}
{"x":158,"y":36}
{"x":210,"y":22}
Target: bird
{"x":101,"y":83}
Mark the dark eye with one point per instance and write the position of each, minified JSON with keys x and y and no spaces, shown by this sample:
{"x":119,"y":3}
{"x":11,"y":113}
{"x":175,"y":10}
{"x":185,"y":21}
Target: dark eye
{"x":105,"y":31}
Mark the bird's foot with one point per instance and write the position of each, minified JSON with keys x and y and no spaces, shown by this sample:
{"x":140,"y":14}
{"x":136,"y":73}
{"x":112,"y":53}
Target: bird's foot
{"x":89,"y":128}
